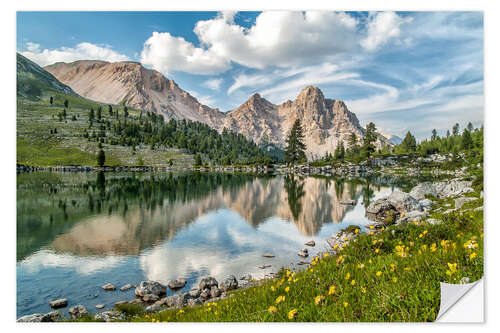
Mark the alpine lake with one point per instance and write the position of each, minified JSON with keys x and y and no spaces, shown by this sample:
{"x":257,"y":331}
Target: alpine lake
{"x":79,"y":231}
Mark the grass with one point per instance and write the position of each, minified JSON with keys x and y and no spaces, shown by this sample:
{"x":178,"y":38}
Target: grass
{"x":391,"y":275}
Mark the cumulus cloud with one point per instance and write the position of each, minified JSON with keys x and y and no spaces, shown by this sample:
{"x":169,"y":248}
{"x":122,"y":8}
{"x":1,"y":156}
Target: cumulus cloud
{"x":271,"y":41}
{"x":381,"y":28}
{"x":82,"y":51}
{"x":213,"y":84}
{"x":165,"y":53}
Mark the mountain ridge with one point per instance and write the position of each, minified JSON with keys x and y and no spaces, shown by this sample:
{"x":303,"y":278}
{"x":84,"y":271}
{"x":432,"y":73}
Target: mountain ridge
{"x":326,"y":122}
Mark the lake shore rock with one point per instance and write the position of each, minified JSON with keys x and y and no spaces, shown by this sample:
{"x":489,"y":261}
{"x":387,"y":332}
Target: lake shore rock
{"x":78,"y":311}
{"x":108,"y":287}
{"x":176,"y":284}
{"x":58,"y":303}
{"x":150,"y":287}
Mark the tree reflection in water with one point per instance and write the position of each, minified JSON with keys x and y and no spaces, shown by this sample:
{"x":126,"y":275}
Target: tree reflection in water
{"x":294,"y":186}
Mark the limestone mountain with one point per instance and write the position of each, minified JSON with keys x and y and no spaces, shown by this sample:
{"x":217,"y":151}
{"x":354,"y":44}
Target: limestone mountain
{"x":326,"y":122}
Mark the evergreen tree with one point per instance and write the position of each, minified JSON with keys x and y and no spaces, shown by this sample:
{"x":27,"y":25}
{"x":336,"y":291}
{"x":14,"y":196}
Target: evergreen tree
{"x":110,"y":110}
{"x":466,"y":140}
{"x":456,"y":129}
{"x":197,"y":160}
{"x":101,"y":158}
{"x":470,"y":128}
{"x":409,"y":143}
{"x":99,"y":112}
{"x":296,"y":148}
{"x":447,"y":134}
{"x":51,"y":100}
{"x":66,"y":103}
{"x":370,"y":138}
{"x":434,"y":135}
{"x":125,"y":111}
{"x":91,"y":114}
{"x":353,"y":140}
{"x":64,"y":114}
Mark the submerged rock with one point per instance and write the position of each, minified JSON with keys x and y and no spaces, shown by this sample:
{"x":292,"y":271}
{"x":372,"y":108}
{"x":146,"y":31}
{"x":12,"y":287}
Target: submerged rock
{"x":303,"y":253}
{"x":126,"y":287}
{"x":268,"y":255}
{"x":99,"y":306}
{"x":59,"y":303}
{"x":108,"y":287}
{"x":176,"y":284}
{"x":150,"y":287}
{"x":311,"y":243}
{"x":32,"y":318}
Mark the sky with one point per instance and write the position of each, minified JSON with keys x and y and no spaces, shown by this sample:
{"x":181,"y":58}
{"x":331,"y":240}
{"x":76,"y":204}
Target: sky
{"x":402,"y":70}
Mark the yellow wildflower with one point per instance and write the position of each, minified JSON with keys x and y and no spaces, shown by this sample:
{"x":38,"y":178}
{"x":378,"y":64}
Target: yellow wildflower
{"x":353,"y":282}
{"x":287,"y":289}
{"x":180,"y":311}
{"x":319,"y":299}
{"x":425,"y":232}
{"x":378,"y":273}
{"x":287,"y":272}
{"x":452,"y":269}
{"x":292,"y":313}
{"x":473,"y":255}
{"x":356,"y":231}
{"x":394,"y":279}
{"x":363,"y":290}
{"x":347,"y":276}
{"x":346,"y":304}
{"x":331,"y":291}
{"x":377,"y":250}
{"x":272,"y":309}
{"x":272,"y":288}
{"x":280,"y":299}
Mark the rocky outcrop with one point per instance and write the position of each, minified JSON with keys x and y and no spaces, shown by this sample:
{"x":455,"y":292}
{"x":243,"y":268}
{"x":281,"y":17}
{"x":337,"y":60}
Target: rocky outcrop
{"x":150,"y":287}
{"x":397,"y":204}
{"x":52,"y":316}
{"x":78,"y":311}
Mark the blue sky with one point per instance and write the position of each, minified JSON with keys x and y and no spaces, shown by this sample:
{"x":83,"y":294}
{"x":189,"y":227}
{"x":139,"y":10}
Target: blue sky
{"x":402,"y":70}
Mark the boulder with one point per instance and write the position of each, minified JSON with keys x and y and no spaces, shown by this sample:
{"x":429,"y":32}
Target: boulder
{"x":403,"y":202}
{"x":208,"y":282}
{"x":434,"y":221}
{"x":268,"y":255}
{"x":229,"y":283}
{"x":194,"y":302}
{"x":177,"y":300}
{"x":176,"y":284}
{"x":150,"y":298}
{"x":194,"y":293}
{"x":426,"y":204}
{"x":99,"y":306}
{"x":421,"y":190}
{"x":32,"y":318}
{"x":304,"y":253}
{"x":205,"y":294}
{"x":459,"y":202}
{"x":78,"y":311}
{"x":214,"y":292}
{"x":150,"y":287}
{"x":340,"y":238}
{"x":110,"y":316}
{"x":59,"y":303}
{"x":412,"y":216}
{"x":153,"y":308}
{"x":52,"y":316}
{"x":247,"y":277}
{"x":453,"y":188}
{"x":380,"y":210}
{"x":311,"y":243}
{"x":108,"y":287}
{"x":126,"y":287}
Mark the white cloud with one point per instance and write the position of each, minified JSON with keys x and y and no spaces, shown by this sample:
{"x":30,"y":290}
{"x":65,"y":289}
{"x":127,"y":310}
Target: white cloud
{"x":381,"y":28}
{"x":213,"y":84}
{"x":165,"y":53}
{"x":82,"y":51}
{"x":271,"y":41}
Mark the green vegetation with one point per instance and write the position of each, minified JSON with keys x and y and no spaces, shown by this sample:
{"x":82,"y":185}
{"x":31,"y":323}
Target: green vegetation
{"x":406,"y":264}
{"x":295,"y":148}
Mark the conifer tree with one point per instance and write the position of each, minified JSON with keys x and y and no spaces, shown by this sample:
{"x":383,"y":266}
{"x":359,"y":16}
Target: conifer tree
{"x":296,"y":148}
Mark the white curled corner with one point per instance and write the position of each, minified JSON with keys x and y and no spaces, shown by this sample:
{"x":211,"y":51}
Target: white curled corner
{"x":451,"y":294}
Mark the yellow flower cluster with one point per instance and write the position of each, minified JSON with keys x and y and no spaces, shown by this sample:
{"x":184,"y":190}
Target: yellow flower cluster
{"x":402,"y":251}
{"x":452,"y":269}
{"x":292,"y":314}
{"x":379,"y":273}
{"x":287,"y":289}
{"x":319,"y":299}
{"x":280,"y":299}
{"x":272,"y":309}
{"x":331,"y":291}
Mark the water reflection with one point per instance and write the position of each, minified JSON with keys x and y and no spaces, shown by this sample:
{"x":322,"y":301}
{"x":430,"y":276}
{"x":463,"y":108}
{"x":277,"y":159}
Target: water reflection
{"x":124,"y":227}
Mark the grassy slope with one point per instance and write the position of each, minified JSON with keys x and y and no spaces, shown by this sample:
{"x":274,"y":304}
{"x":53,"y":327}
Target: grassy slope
{"x":37,"y":147}
{"x":387,"y":275}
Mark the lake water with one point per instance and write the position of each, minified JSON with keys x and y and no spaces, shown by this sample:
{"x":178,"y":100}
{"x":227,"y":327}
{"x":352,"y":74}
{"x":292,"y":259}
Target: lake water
{"x":79,"y":231}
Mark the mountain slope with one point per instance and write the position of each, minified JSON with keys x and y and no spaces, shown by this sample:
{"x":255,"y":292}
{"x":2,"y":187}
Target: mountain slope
{"x":326,"y":122}
{"x":34,"y":82}
{"x":133,"y":85}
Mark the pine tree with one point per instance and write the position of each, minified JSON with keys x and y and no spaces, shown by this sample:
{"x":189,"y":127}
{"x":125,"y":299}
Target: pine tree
{"x":197,"y":160}
{"x":456,"y":129}
{"x":470,"y":128}
{"x":51,"y":100}
{"x":110,"y":110}
{"x":409,"y":143}
{"x":101,"y":158}
{"x":66,"y":103}
{"x":434,"y":135}
{"x":99,"y":112}
{"x":125,"y":111}
{"x":370,"y":138}
{"x":296,"y":148}
{"x":91,"y":114}
{"x":466,"y":140}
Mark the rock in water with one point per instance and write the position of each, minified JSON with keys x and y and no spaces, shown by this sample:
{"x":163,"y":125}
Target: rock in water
{"x":229,"y":283}
{"x":311,"y":243}
{"x":176,"y":284}
{"x":268,"y":255}
{"x":150,"y":287}
{"x":304,"y":253}
{"x":208,"y":282}
{"x":59,"y":303}
{"x":99,"y":306}
{"x":264,"y":266}
{"x":403,"y":202}
{"x":78,"y":311}
{"x":126,"y":287}
{"x":108,"y":287}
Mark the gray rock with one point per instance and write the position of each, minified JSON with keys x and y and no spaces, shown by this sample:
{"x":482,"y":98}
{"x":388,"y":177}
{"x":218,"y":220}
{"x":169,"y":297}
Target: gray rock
{"x":59,"y":303}
{"x":453,"y":188}
{"x":108,"y":287}
{"x":264,"y":266}
{"x":459,"y":202}
{"x":126,"y":287}
{"x":194,"y":302}
{"x":415,"y":215}
{"x":136,"y":301}
{"x":304,"y":253}
{"x":205,"y":294}
{"x":194,"y":293}
{"x":247,"y":277}
{"x":177,"y":300}
{"x":208,"y":282}
{"x":121,"y":303}
{"x":421,"y":190}
{"x":379,"y":210}
{"x":52,"y":316}
{"x":347,"y":202}
{"x":310,"y":243}
{"x":229,"y":283}
{"x":403,"y":202}
{"x":426,"y":204}
{"x":434,"y":221}
{"x":32,"y":318}
{"x":448,"y":211}
{"x":150,"y":287}
{"x":153,"y":308}
{"x":150,"y":298}
{"x":214,"y":292}
{"x":99,"y":306}
{"x":109,"y":316}
{"x":176,"y":284}
{"x":78,"y":311}
{"x":268,"y":255}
